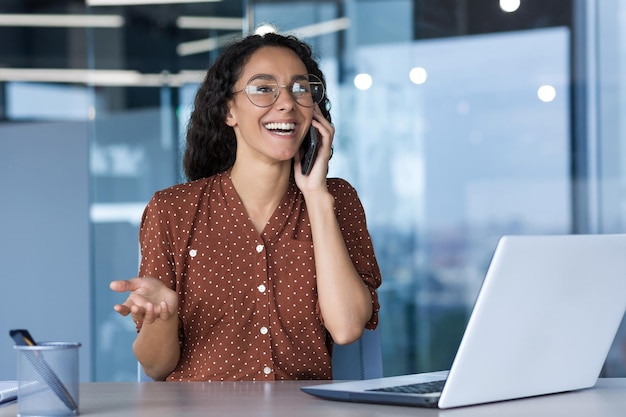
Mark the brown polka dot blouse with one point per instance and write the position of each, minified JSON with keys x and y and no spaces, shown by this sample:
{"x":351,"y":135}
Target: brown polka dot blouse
{"x":248,"y":303}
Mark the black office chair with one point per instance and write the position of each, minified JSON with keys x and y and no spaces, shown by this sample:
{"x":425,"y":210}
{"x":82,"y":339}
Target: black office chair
{"x":362,"y":359}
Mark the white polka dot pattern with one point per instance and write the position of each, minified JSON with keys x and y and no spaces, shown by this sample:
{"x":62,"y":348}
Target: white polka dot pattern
{"x":248,"y":301}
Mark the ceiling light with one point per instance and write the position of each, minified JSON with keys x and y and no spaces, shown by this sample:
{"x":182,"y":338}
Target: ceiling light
{"x":203,"y":45}
{"x":61,"y":20}
{"x":264,"y":29}
{"x":309,"y":31}
{"x":112,"y":78}
{"x":322,"y":28}
{"x":509,"y":6}
{"x":219,"y":23}
{"x":141,"y":2}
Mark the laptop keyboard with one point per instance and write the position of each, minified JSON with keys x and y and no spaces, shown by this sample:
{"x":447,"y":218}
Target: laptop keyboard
{"x":419,"y":388}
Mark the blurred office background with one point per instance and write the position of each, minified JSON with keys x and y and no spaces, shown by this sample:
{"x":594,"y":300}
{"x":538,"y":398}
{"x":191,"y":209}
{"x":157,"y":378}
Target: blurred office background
{"x":458,"y":121}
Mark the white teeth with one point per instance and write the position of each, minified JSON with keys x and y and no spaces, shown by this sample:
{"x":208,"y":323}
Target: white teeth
{"x":280,"y":126}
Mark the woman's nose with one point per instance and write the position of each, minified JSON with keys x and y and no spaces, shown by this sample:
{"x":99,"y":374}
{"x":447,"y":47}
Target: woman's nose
{"x":285,"y":100}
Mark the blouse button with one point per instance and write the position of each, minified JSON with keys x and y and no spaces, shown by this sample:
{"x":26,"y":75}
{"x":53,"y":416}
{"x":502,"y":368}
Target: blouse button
{"x":264,"y":330}
{"x":261,"y":288}
{"x":259,"y":248}
{"x":267,"y":370}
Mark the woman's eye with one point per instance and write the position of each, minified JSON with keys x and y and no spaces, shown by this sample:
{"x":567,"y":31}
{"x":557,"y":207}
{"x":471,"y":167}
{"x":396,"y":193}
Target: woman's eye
{"x":264,"y":89}
{"x":299,"y":88}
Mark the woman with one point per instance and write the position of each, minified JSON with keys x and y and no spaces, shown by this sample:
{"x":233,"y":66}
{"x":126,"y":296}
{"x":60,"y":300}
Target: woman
{"x":252,"y":270}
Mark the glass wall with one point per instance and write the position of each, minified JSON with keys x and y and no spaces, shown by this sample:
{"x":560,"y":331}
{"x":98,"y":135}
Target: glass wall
{"x":138,"y":131}
{"x":607,"y":134}
{"x":454,"y":134}
{"x":457,"y":122}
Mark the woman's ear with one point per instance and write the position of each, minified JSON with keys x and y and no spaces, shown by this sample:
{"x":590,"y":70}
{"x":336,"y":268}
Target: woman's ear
{"x":230,"y":119}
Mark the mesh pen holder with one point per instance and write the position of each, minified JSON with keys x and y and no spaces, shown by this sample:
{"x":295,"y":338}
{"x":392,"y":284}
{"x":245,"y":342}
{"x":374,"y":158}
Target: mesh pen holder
{"x":47,"y":375}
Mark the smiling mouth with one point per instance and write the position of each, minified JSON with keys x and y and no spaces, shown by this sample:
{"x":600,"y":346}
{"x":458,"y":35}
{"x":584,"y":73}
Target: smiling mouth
{"x":281,"y":128}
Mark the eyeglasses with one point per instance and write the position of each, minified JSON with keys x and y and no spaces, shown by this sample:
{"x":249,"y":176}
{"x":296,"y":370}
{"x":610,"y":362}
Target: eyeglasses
{"x":263,"y":90}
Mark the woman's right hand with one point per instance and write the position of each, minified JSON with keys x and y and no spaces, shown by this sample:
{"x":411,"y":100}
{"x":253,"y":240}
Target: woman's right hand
{"x":149,"y":299}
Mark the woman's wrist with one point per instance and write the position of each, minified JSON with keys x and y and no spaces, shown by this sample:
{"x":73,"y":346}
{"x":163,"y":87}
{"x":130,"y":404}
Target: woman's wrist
{"x":319,"y":198}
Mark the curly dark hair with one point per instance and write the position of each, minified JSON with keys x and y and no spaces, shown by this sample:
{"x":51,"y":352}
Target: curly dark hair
{"x":211,"y":144}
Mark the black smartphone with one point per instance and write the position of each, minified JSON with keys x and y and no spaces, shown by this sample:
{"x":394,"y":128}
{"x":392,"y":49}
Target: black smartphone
{"x":309,"y":146}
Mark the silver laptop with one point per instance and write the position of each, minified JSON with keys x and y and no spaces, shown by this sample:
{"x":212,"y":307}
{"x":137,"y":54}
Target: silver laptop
{"x":544,"y":320}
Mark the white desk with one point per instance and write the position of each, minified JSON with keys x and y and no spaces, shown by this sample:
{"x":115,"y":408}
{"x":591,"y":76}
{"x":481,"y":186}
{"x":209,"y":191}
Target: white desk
{"x":277,"y":399}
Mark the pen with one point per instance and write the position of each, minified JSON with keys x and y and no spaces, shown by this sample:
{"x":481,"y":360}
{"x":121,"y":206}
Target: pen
{"x":22,"y":338}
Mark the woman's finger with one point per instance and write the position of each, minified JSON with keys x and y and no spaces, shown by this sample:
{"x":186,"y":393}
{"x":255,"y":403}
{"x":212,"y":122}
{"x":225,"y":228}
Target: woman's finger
{"x":122,"y":309}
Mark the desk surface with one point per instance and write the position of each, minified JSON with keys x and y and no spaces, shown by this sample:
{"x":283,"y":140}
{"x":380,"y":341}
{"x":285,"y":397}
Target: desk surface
{"x":276,"y":399}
